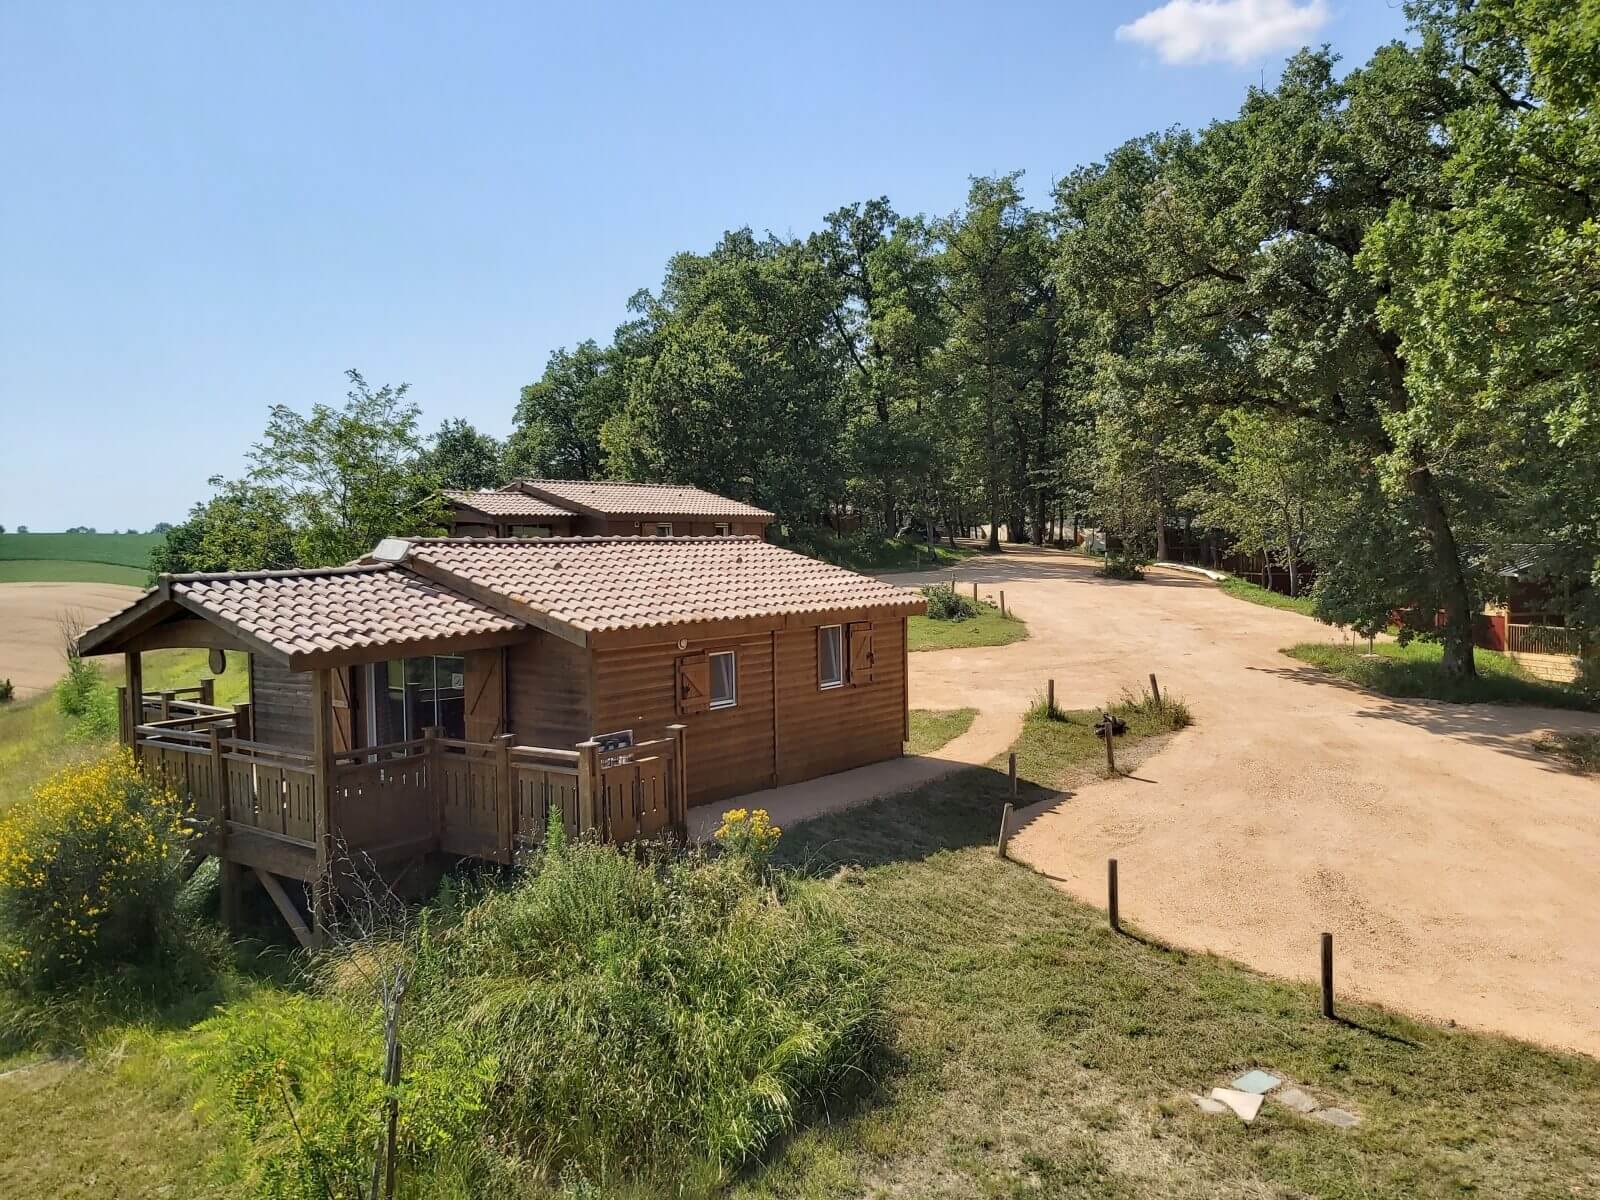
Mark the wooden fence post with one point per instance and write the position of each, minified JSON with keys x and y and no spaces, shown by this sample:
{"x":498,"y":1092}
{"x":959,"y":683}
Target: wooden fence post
{"x":508,"y":792}
{"x":680,"y":779}
{"x":1327,"y":976}
{"x":1112,"y":907}
{"x":974,"y":589}
{"x":1154,"y":690}
{"x":1002,"y":602}
{"x":1111,"y":753}
{"x":208,"y":691}
{"x":1050,"y":696}
{"x":1011,"y":776}
{"x":588,"y":784}
{"x":1005,"y":831}
{"x":241,"y":723}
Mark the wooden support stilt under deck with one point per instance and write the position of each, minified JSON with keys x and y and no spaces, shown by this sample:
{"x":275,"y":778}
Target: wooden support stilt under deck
{"x":286,"y":906}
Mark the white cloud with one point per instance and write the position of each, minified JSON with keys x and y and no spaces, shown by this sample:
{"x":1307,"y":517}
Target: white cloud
{"x":1240,"y":31}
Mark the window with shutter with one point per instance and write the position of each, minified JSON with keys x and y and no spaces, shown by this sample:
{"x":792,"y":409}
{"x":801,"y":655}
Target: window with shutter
{"x":862,"y":659}
{"x":830,"y":656}
{"x":694,"y":684}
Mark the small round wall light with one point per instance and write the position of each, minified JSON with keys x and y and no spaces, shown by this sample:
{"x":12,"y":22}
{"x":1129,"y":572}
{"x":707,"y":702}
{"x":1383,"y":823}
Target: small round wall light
{"x":683,"y":643}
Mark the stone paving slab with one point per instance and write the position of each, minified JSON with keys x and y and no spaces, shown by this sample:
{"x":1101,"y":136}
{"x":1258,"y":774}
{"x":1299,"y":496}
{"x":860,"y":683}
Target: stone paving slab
{"x":1245,"y":1105}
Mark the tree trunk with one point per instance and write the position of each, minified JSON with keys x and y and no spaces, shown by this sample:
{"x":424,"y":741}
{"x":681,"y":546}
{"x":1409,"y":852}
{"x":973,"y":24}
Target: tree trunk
{"x":1454,"y":592}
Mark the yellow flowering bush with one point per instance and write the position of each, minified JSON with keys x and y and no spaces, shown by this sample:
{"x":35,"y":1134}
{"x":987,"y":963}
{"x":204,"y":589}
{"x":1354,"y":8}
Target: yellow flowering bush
{"x":748,"y":834}
{"x":89,"y":871}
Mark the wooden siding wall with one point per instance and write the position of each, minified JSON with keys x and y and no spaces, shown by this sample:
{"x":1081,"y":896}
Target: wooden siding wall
{"x":820,"y":732}
{"x":593,"y":526}
{"x":280,"y":704}
{"x":548,"y":697}
{"x":730,"y":750}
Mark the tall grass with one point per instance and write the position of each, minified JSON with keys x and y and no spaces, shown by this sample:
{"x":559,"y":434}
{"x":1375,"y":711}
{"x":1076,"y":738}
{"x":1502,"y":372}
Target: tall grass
{"x":1416,"y":670}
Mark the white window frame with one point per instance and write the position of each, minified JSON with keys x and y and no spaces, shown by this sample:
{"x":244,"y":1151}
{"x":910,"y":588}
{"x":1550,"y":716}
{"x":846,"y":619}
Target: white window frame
{"x":663,"y":528}
{"x":733,"y":678}
{"x":823,"y":684}
{"x":723,"y":528}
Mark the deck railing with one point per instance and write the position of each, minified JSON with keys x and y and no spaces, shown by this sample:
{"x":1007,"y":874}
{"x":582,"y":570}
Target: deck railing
{"x":487,"y":800}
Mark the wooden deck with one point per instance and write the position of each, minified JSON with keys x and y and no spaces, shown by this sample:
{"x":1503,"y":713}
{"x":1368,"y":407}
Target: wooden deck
{"x":278,"y":811}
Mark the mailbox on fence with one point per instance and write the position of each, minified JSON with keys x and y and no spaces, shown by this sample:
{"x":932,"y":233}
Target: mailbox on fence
{"x":614,"y":745}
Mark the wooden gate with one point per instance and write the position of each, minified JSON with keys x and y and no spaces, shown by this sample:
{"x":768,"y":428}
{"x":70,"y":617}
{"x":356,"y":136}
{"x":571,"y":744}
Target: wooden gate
{"x":636,"y":792}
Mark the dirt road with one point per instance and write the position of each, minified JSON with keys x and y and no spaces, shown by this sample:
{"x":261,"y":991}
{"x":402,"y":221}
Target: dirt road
{"x":1458,"y":870}
{"x":30,"y":633}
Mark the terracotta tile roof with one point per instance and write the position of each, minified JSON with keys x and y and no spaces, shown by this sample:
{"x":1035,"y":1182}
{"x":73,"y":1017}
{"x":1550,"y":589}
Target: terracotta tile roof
{"x":641,"y":499}
{"x":600,"y":584}
{"x":507,"y":504}
{"x":340,"y":608}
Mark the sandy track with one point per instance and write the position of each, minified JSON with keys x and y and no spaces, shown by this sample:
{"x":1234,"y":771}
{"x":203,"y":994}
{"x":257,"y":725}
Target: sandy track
{"x":30,"y":636}
{"x":1458,"y":870}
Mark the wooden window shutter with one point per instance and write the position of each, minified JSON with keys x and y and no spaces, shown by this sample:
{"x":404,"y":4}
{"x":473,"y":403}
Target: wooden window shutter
{"x":862,"y":658}
{"x":485,"y":695}
{"x":694,"y":684}
{"x":343,"y":716}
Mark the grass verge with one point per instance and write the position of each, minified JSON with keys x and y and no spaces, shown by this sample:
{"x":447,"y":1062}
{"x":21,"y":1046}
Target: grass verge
{"x":988,"y":628}
{"x":871,"y":552}
{"x":932,"y":728}
{"x":1243,"y":589}
{"x":1414,"y":670}
{"x":1580,"y":751}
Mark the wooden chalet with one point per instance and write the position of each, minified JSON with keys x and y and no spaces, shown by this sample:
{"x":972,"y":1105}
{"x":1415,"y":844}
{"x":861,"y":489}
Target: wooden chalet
{"x":565,"y":507}
{"x":444,"y":696}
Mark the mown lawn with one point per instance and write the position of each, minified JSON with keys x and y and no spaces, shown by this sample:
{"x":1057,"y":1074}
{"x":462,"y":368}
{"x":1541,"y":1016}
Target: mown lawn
{"x":988,"y":628}
{"x":36,"y":739}
{"x":1414,"y":671}
{"x":1040,"y":1055}
{"x":872,"y":552}
{"x":932,"y":728}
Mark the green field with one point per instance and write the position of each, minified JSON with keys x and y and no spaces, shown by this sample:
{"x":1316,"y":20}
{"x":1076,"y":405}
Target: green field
{"x":77,"y":557}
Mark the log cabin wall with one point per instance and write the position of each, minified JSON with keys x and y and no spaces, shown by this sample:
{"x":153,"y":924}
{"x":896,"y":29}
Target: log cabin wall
{"x":280,"y":704}
{"x":783,"y":729}
{"x":823,"y":731}
{"x":548,"y":692}
{"x":729,"y":750}
{"x":597,"y":526}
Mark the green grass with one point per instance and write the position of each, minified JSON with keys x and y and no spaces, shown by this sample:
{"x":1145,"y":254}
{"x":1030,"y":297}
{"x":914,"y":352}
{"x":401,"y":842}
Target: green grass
{"x":932,"y":728}
{"x":1414,"y":670}
{"x":988,"y":628}
{"x":36,"y":739}
{"x":61,"y":570}
{"x":1243,"y":589}
{"x":871,"y":552}
{"x":120,"y":549}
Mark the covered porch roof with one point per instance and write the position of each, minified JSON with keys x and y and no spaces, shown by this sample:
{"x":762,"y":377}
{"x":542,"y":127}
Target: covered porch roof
{"x":306,"y":619}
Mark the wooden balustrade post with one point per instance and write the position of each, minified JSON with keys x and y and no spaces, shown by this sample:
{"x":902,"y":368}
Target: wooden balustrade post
{"x":241,"y":723}
{"x":124,"y":718}
{"x":508,"y":792}
{"x":167,"y":698}
{"x":680,"y":780}
{"x":588,"y":784}
{"x":430,"y":760}
{"x":322,"y":799}
{"x":208,"y":692}
{"x":229,"y":879}
{"x":133,"y":665}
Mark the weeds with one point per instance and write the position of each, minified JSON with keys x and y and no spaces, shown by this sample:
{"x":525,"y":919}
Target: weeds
{"x":1580,"y":751}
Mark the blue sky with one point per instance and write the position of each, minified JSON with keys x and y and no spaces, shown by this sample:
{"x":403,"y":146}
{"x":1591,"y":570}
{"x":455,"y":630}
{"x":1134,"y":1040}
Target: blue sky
{"x":209,"y":209}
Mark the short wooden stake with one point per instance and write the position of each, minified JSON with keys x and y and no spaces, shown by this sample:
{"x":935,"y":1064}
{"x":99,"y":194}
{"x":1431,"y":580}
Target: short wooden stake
{"x":974,"y":589}
{"x":1111,"y":752}
{"x":1111,"y":896}
{"x":1011,"y":775}
{"x":1155,"y":691}
{"x":1002,"y":604}
{"x":1005,"y":830}
{"x":1050,"y":696}
{"x":1327,"y":976}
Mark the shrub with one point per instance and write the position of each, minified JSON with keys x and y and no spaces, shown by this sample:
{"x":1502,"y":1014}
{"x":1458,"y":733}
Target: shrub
{"x":652,"y":1020}
{"x":89,"y":872}
{"x":749,"y":837}
{"x":947,"y":604}
{"x":1122,"y":565}
{"x":84,"y":697}
{"x":299,"y":1077}
{"x":7,"y":691}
